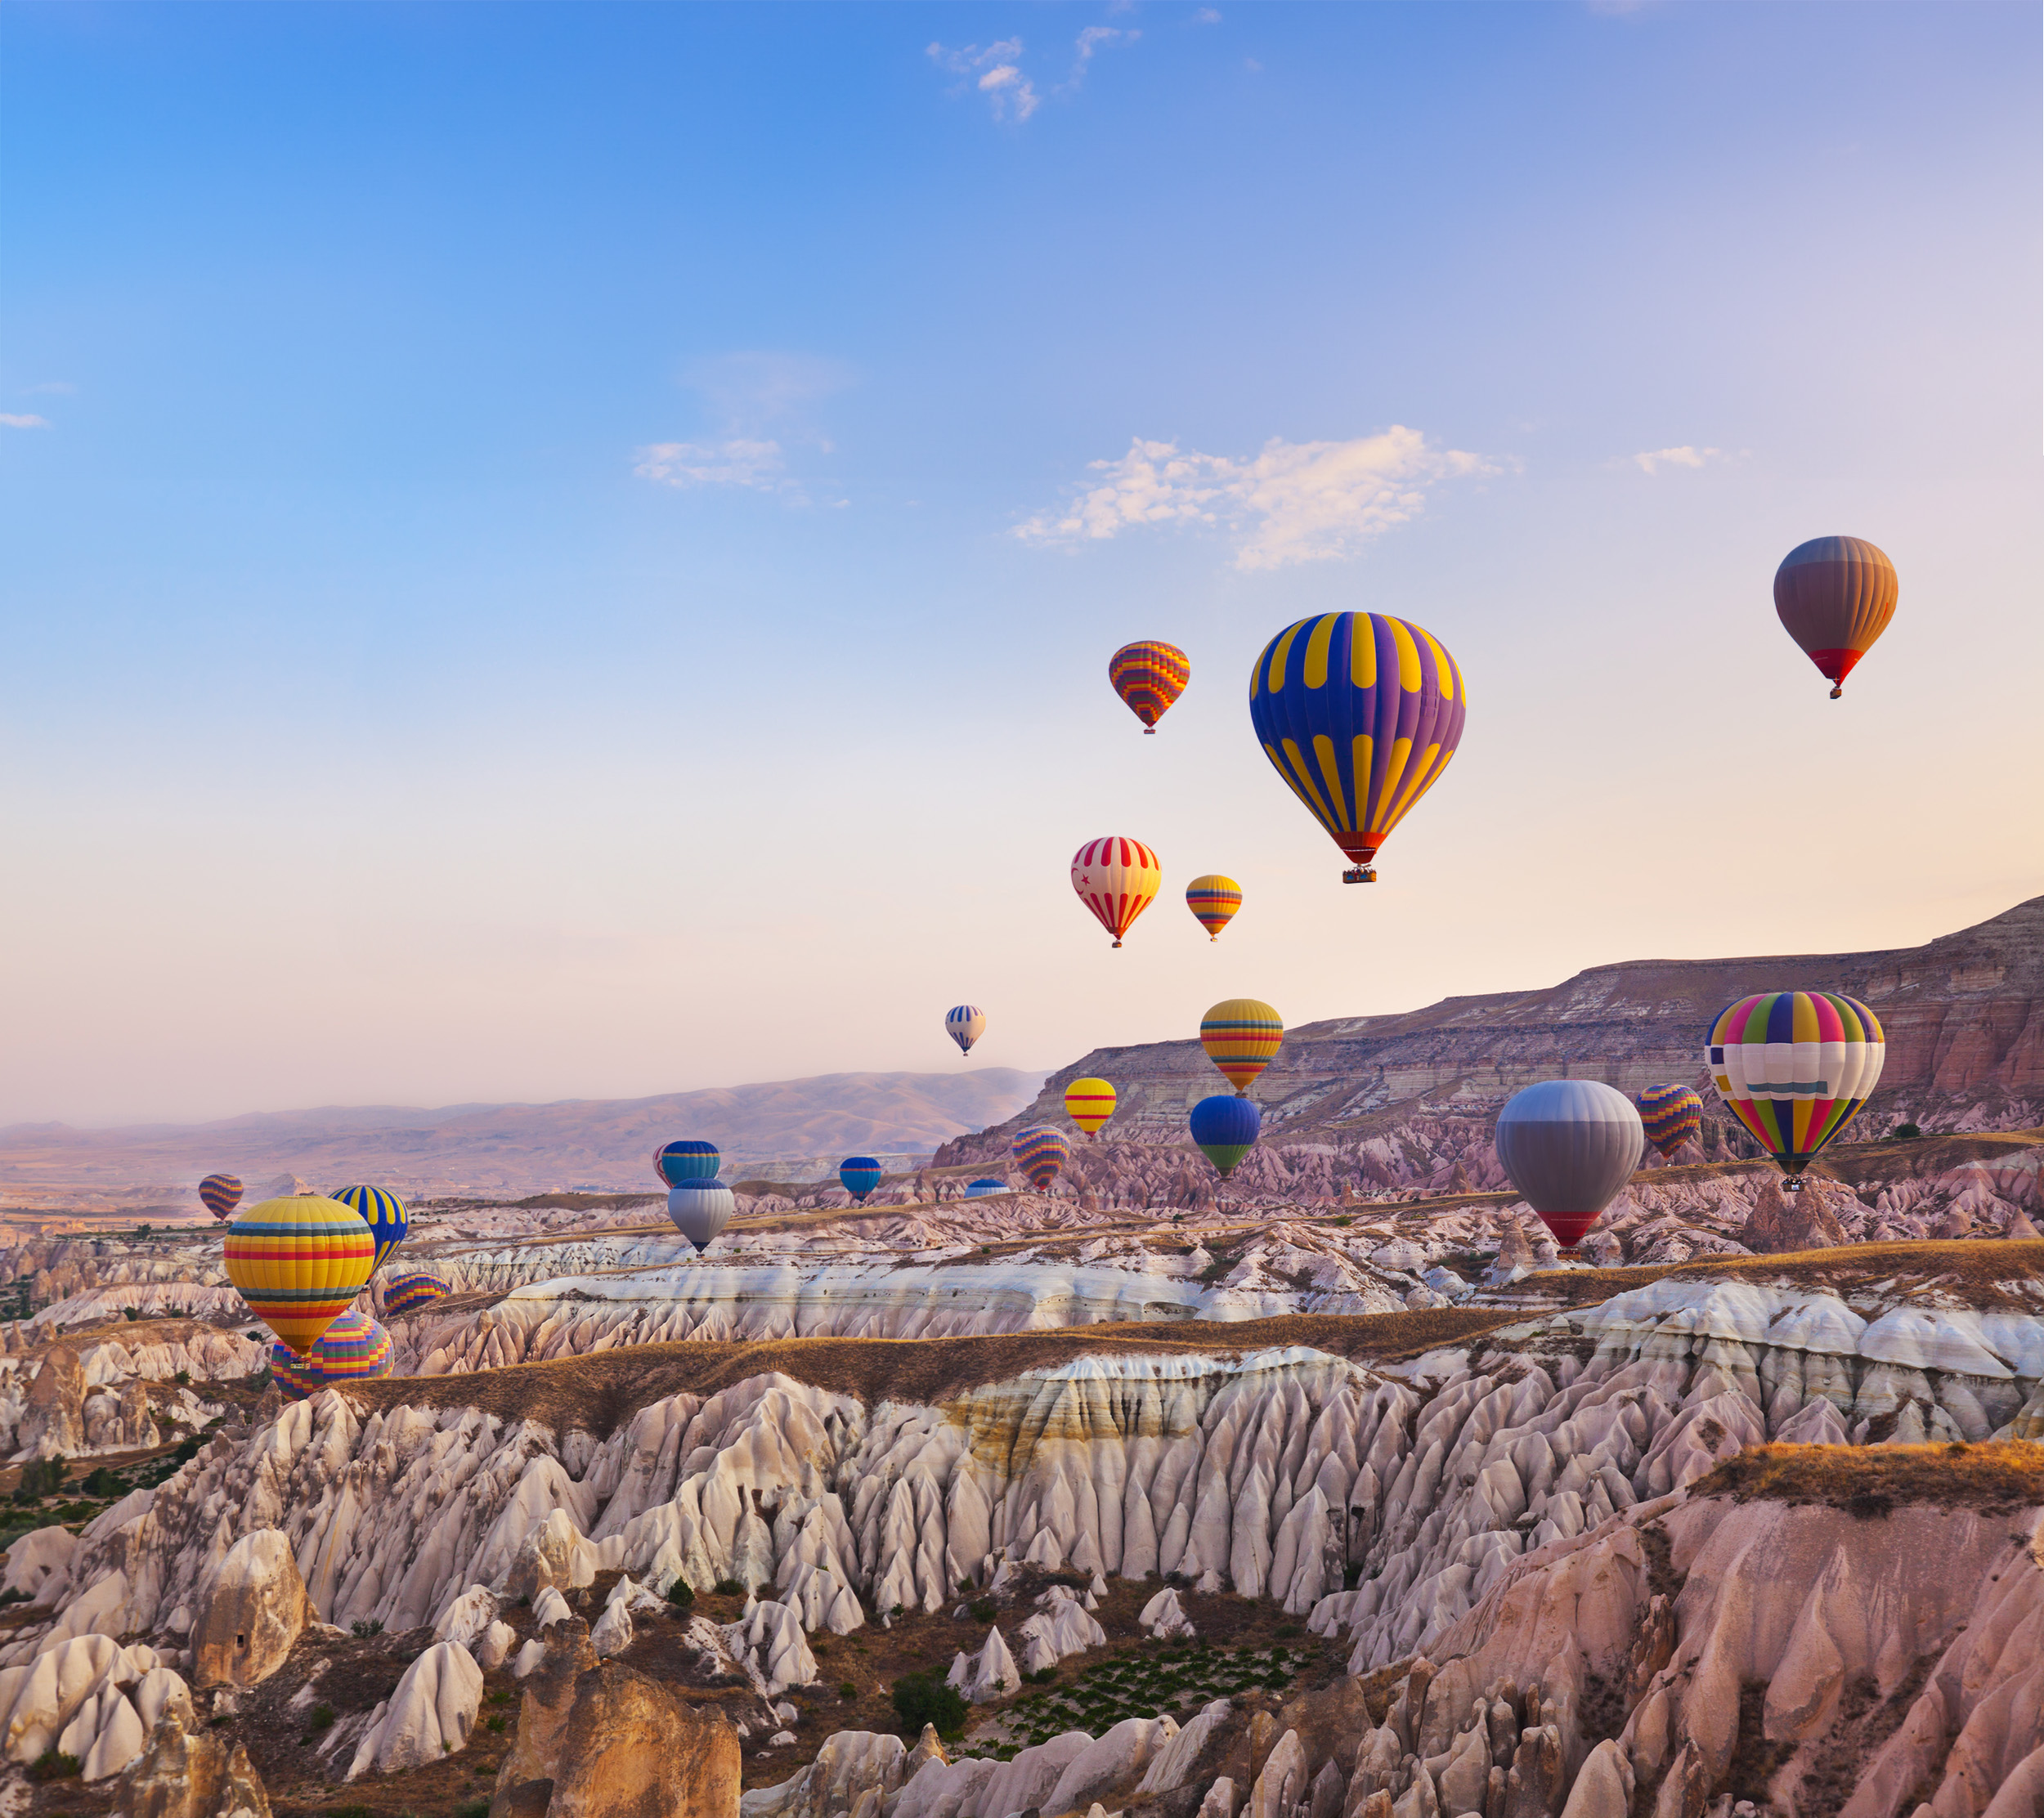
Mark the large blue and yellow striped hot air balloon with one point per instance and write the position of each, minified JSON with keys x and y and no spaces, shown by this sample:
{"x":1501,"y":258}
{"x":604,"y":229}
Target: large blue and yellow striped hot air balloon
{"x":1240,"y":1034}
{"x":220,"y":1193}
{"x":1149,"y":675}
{"x":688,"y":1158}
{"x":382,"y":1212}
{"x":1794,"y":1066}
{"x":417,"y":1288}
{"x":1672,"y":1114}
{"x":858,"y":1175}
{"x":1039,"y":1154}
{"x":353,"y":1349}
{"x":1360,"y":713}
{"x":297,"y":1263}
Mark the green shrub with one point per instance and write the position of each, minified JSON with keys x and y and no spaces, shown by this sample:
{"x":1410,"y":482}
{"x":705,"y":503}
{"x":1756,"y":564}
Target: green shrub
{"x":921,"y":1698}
{"x":322,"y":1718}
{"x":51,"y":1766}
{"x":847,"y":1689}
{"x":100,"y":1482}
{"x":475,"y":1808}
{"x":1042,"y":1677}
{"x":182,"y":1379}
{"x":1907,"y":1133}
{"x":494,"y":1725}
{"x":364,"y":1631}
{"x":729,"y":1588}
{"x":681,"y":1593}
{"x":186,"y":1452}
{"x":984,"y":1610}
{"x":131,"y":1313}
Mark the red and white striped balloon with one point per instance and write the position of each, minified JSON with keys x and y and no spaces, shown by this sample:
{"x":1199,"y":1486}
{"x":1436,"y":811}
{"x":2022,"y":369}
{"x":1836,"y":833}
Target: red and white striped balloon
{"x":1117,"y":877}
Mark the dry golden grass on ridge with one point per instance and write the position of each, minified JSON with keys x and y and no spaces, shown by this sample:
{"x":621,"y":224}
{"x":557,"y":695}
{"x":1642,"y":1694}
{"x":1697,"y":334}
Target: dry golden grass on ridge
{"x":1997,"y":1477}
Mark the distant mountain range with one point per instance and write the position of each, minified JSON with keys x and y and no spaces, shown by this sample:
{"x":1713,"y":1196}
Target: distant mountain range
{"x":780,"y":1130}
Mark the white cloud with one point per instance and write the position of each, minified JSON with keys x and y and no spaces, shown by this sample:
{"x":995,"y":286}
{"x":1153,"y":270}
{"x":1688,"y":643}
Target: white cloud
{"x":1684,"y":456}
{"x":1293,"y":502}
{"x":737,"y":463}
{"x":1095,"y":38}
{"x":1207,"y":16}
{"x":995,"y":72}
{"x":14,"y":422}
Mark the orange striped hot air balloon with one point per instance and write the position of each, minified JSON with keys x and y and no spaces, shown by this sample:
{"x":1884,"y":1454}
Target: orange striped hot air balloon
{"x":1240,"y":1035}
{"x":297,"y":1263}
{"x":1089,"y":1104}
{"x":1149,"y":675}
{"x":1117,"y":877}
{"x":1213,"y":900}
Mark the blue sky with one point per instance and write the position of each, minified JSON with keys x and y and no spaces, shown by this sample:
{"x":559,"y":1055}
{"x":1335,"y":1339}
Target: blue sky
{"x":547,"y":549}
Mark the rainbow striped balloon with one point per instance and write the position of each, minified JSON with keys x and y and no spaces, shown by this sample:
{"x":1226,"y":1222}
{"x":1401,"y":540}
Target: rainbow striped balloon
{"x":1149,"y":675}
{"x":1039,"y":1154}
{"x":352,"y":1349}
{"x":1240,"y":1035}
{"x":382,"y":1212}
{"x":1089,"y":1104}
{"x":220,"y":1193}
{"x":409,"y":1292}
{"x":1213,"y":900}
{"x":297,"y":1263}
{"x":1672,"y":1114}
{"x":1794,"y":1066}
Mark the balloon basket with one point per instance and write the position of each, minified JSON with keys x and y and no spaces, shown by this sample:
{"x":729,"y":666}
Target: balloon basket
{"x":1361,"y":874}
{"x":1150,"y":732}
{"x":1838,"y":693}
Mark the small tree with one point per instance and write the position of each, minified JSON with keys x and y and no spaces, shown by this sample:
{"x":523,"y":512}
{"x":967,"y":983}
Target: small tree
{"x":1907,"y":1133}
{"x":921,"y":1698}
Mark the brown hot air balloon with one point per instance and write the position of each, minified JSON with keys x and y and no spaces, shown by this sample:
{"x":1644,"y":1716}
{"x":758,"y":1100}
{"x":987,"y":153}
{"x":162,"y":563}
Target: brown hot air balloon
{"x":1835,"y":595}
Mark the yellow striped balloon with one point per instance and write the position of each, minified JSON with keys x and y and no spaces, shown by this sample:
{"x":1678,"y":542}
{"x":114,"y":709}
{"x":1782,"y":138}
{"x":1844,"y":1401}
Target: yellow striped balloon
{"x":1240,"y":1035}
{"x":1089,"y":1104}
{"x":1213,"y":899}
{"x":297,"y":1263}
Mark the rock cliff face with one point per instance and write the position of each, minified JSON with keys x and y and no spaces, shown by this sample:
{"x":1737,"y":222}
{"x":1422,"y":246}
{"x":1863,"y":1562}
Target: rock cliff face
{"x":1964,"y":1017}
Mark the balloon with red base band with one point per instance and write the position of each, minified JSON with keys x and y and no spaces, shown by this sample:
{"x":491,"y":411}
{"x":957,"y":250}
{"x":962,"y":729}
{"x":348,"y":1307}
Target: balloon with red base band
{"x":1570,"y":1146}
{"x":1835,"y":596}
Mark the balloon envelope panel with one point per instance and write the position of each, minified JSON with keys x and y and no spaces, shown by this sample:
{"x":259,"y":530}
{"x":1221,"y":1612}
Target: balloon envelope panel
{"x":1794,"y":1066}
{"x":1673,"y":1114}
{"x":1569,"y":1146}
{"x":688,"y":1158}
{"x":382,"y":1212}
{"x":1360,"y":715}
{"x":1240,"y":1034}
{"x":419,"y":1288}
{"x":1225,"y":1127}
{"x":1039,"y":1154}
{"x":858,"y":1174}
{"x":1089,"y":1104}
{"x":700,"y":1209}
{"x":1149,"y":675}
{"x":220,"y":1193}
{"x":297,"y":1262}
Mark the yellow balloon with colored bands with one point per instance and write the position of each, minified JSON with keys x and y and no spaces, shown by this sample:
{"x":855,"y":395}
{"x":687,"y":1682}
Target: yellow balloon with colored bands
{"x":1089,"y":1104}
{"x":297,"y":1263}
{"x":1240,"y":1035}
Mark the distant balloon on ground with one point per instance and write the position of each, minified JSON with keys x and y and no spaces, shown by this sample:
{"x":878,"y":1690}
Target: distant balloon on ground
{"x":1089,"y":1104}
{"x":1039,"y":1154}
{"x":1569,"y":1146}
{"x":1673,"y":1114}
{"x":382,"y":1212}
{"x":1225,"y":1127}
{"x":1793,"y":1067}
{"x":1117,"y":877}
{"x":1358,"y":714}
{"x":1240,"y":1034}
{"x":297,"y":1263}
{"x":220,"y":1193}
{"x":1213,"y":900}
{"x":354,"y":1349}
{"x":981,"y":1188}
{"x":689,"y":1158}
{"x":700,"y":1209}
{"x":1148,"y":676}
{"x":964,"y":1023}
{"x":414,"y":1290}
{"x":858,"y":1175}
{"x":1835,"y":596}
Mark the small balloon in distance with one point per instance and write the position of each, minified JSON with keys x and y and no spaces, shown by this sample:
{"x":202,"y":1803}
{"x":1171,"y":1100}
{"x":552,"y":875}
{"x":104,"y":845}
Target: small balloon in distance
{"x":1149,"y":675}
{"x":964,"y":1023}
{"x":220,"y":1193}
{"x":1240,"y":1035}
{"x":1673,"y":1115}
{"x":1213,"y":900}
{"x":1117,"y":877}
{"x":1835,"y":595}
{"x":700,"y":1209}
{"x":859,"y":1175}
{"x":686,"y":1159}
{"x":1793,"y":1067}
{"x":1225,"y":1127}
{"x":1089,"y":1104}
{"x":1040,"y":1154}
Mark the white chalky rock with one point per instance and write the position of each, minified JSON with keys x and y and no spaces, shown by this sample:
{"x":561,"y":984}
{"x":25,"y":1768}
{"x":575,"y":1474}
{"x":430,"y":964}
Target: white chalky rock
{"x":549,"y":1608}
{"x":1173,"y":1764}
{"x":495,"y":1646}
{"x":528,"y":1659}
{"x":989,"y":1674}
{"x":468,"y":1618}
{"x":1219,"y":1801}
{"x":1062,"y":1629}
{"x":33,"y":1557}
{"x":612,"y":1632}
{"x":1111,"y":1764}
{"x":1162,"y":1619}
{"x":775,"y":1632}
{"x":850,"y":1765}
{"x":429,"y":1717}
{"x":42,"y":1698}
{"x":1281,"y":1784}
{"x":120,"y":1738}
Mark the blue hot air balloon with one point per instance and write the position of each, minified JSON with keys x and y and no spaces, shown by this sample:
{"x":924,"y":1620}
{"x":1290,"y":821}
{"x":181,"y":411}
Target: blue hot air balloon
{"x":858,"y":1175}
{"x":689,"y":1159}
{"x":980,"y":1189}
{"x":1225,"y":1127}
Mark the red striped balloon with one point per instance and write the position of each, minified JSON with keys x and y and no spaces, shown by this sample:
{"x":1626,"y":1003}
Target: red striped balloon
{"x":1117,"y":877}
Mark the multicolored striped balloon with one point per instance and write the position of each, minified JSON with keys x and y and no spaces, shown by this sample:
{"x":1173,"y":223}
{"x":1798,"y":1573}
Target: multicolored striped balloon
{"x":418,"y":1288}
{"x":1835,"y":596}
{"x":1117,"y":877}
{"x":382,"y":1212}
{"x":1240,"y":1035}
{"x":297,"y":1263}
{"x":858,"y":1175}
{"x":1672,"y":1114}
{"x":1794,"y":1066}
{"x":1089,"y":1104}
{"x":220,"y":1193}
{"x":352,"y":1349}
{"x":1226,"y":1129}
{"x":1360,"y":715}
{"x":688,"y":1158}
{"x":1149,"y":675}
{"x":964,"y":1023}
{"x":1039,"y":1154}
{"x":1213,"y":900}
